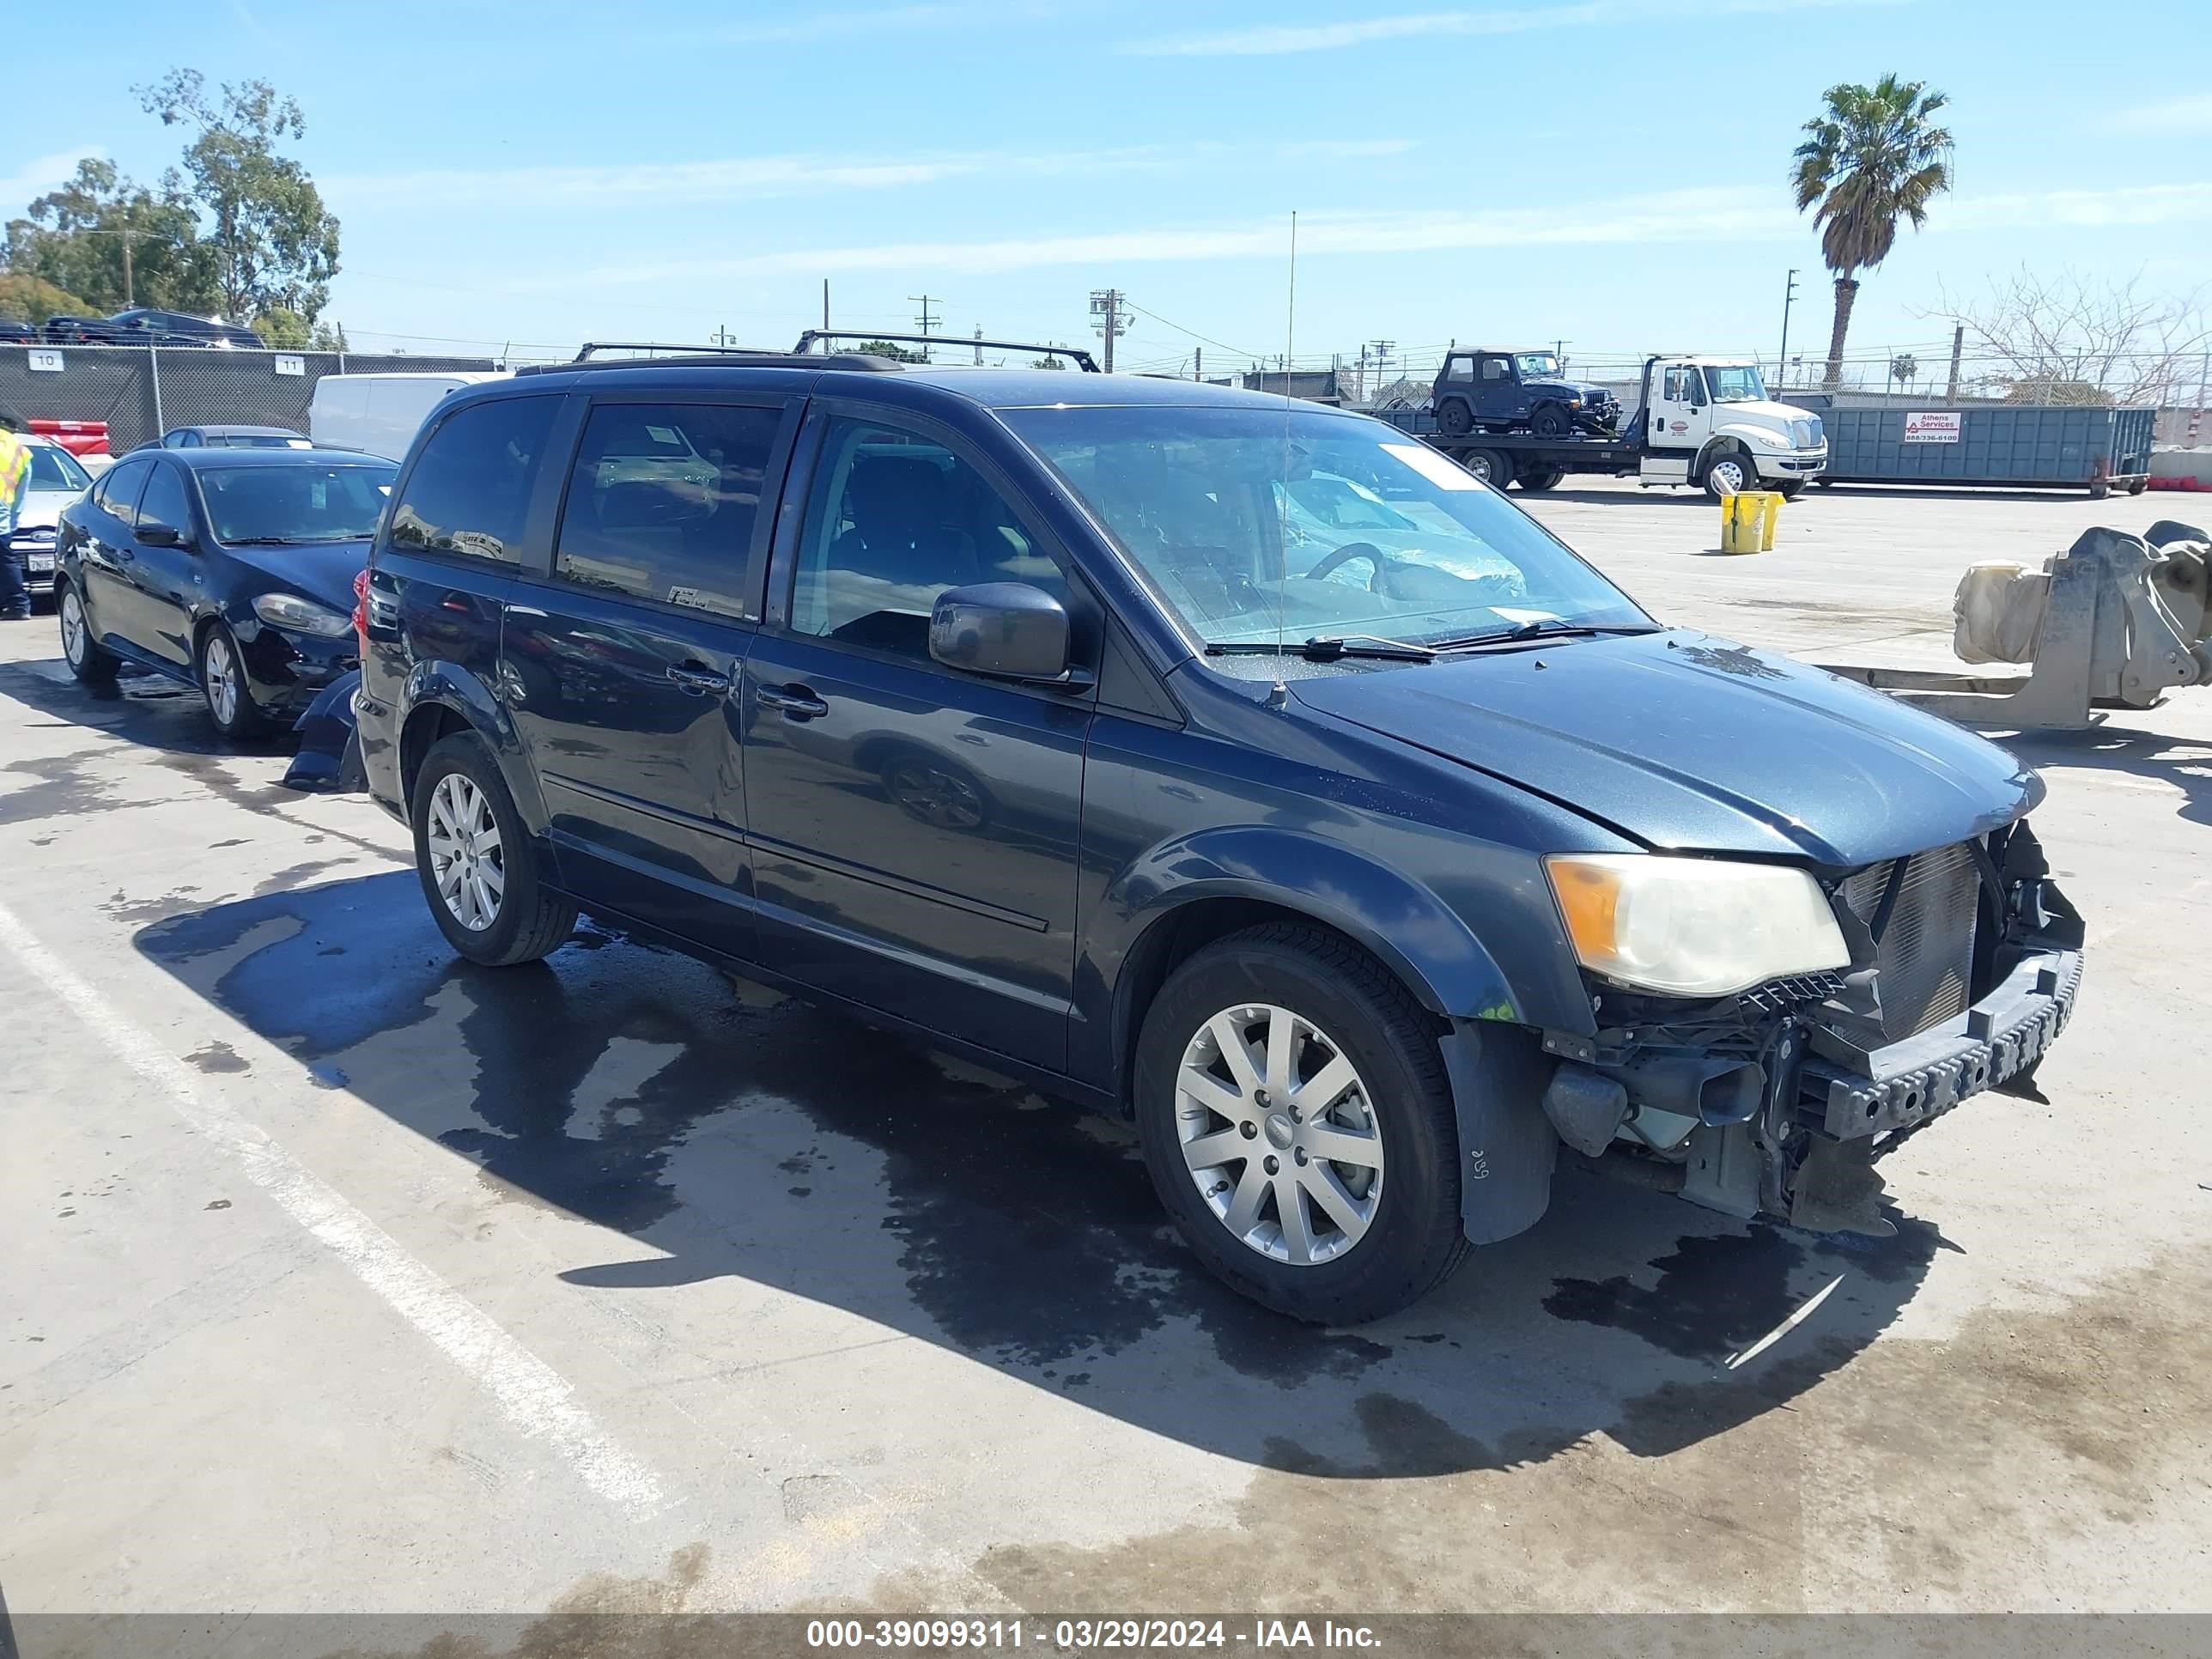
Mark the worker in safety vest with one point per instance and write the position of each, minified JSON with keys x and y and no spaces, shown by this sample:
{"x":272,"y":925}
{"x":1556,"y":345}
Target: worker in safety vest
{"x":15,"y":484}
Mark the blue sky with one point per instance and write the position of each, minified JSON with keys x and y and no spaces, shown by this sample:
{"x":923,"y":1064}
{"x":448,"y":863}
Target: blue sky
{"x":1607,"y":171}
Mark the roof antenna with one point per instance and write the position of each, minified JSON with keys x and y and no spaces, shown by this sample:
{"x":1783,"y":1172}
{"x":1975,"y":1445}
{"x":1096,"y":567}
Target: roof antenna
{"x":1279,"y":698}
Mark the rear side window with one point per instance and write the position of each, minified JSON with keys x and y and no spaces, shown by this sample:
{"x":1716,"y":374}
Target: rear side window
{"x":470,"y":491}
{"x":664,"y":500}
{"x":118,"y":489}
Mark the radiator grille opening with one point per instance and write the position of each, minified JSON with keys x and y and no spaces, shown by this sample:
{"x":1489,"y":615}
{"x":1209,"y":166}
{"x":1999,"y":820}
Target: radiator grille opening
{"x":1925,"y":961}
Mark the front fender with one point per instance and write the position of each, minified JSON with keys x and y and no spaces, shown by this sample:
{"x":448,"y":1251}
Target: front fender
{"x":1406,"y":927}
{"x":433,"y":682}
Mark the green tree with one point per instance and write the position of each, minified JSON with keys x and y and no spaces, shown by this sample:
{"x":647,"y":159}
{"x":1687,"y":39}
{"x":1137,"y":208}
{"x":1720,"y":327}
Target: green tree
{"x":328,"y":337}
{"x":1904,"y":369}
{"x":287,"y":330}
{"x":1047,"y":363}
{"x":897,"y":354}
{"x":1873,"y":156}
{"x":115,"y":243}
{"x":34,"y":299}
{"x":275,"y":245}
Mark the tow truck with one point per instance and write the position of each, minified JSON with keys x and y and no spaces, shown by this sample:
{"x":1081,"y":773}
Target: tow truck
{"x":1699,"y":420}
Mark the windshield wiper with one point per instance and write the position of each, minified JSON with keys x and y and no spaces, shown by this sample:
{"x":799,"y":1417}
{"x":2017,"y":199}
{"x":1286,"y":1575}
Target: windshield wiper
{"x":1328,"y":648}
{"x":1545,"y":628}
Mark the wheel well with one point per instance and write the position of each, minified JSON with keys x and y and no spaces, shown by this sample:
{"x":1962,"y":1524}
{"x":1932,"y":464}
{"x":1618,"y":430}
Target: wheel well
{"x":1715,"y":450}
{"x":425,"y":728}
{"x":1180,"y":935}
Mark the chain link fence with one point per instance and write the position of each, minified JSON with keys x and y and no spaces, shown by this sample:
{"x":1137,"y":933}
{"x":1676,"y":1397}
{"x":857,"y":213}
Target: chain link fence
{"x":141,"y":391}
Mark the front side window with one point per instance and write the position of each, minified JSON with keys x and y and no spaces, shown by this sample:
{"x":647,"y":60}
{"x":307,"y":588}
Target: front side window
{"x":164,"y":506}
{"x":1252,"y":525}
{"x":663,"y":502}
{"x":470,"y":491}
{"x":288,"y":506}
{"x":894,"y":519}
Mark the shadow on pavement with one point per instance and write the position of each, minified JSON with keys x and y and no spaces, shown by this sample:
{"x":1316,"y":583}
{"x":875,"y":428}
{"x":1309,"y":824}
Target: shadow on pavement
{"x":743,"y":1133}
{"x":2168,"y":757}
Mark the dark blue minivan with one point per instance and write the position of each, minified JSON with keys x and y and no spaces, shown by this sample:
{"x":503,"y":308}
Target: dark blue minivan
{"x":1236,"y":764}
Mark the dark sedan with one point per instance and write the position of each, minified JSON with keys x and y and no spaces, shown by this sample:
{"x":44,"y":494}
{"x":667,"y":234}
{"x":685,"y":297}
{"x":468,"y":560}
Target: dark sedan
{"x":228,"y":570}
{"x":230,"y":437}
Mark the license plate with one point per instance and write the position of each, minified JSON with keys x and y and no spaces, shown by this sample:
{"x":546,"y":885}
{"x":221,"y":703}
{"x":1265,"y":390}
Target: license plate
{"x":40,"y":564}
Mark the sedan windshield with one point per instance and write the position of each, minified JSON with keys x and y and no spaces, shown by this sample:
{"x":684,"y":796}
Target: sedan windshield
{"x":55,"y":468}
{"x":1738,"y":383}
{"x":1256,"y":524}
{"x":281,"y":504}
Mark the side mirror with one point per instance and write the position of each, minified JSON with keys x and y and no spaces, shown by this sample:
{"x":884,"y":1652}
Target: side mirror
{"x":160,"y":535}
{"x":1008,"y":630}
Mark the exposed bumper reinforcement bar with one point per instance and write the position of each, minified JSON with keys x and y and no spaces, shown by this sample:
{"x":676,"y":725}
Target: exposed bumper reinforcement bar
{"x":1866,"y":1092}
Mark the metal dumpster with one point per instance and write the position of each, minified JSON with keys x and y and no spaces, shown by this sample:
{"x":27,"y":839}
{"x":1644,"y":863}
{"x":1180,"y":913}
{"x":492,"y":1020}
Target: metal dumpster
{"x":2093,"y":448}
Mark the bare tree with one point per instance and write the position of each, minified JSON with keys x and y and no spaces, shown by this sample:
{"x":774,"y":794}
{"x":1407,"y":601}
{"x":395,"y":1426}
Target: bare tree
{"x":2066,"y":337}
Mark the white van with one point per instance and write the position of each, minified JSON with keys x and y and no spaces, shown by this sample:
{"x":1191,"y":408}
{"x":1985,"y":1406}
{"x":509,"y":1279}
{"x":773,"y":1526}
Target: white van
{"x":380,"y":414}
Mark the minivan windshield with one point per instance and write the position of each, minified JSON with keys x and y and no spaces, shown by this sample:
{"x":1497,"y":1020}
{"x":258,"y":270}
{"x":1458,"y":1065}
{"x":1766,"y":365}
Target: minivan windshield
{"x":278,"y":505}
{"x":1258,"y":524}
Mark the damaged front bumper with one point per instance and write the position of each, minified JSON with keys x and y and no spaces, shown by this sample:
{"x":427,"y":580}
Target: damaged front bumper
{"x":1780,"y":1101}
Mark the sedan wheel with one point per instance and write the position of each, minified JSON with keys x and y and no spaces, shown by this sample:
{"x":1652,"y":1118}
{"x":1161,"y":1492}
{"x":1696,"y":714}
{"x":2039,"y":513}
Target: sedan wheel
{"x":86,"y":658}
{"x":1278,"y":1134}
{"x":466,"y":863}
{"x":223,"y":683}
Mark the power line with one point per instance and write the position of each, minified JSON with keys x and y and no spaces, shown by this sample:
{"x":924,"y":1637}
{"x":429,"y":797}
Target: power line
{"x":1180,"y":329}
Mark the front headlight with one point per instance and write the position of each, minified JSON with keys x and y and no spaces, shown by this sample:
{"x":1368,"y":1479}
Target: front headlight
{"x":297,"y":616}
{"x":1694,"y":927}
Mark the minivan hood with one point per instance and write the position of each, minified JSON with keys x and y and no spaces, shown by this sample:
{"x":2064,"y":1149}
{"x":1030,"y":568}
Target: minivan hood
{"x":323,"y":571}
{"x":1689,"y":742}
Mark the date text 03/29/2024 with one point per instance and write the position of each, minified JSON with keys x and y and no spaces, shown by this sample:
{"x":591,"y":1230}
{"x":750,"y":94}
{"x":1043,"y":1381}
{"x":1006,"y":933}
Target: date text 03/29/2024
{"x":1086,"y":1635}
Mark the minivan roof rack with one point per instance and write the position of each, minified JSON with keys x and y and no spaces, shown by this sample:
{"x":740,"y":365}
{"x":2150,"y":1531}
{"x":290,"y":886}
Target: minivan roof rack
{"x":730,"y":356}
{"x":1076,"y":355}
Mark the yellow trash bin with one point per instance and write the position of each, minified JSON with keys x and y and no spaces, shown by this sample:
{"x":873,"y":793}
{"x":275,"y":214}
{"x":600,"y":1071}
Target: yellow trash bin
{"x":1747,"y":520}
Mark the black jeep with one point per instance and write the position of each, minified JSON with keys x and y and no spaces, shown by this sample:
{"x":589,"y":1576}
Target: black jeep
{"x":1491,"y":390}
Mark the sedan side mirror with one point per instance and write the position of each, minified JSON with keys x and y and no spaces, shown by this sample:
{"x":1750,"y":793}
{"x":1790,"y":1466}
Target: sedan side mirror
{"x":1009,"y":630}
{"x":162,"y":535}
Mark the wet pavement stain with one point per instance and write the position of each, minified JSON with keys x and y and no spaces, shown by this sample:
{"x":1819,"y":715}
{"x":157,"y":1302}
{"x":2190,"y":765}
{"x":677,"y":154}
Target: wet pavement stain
{"x":218,"y":1056}
{"x":123,"y":907}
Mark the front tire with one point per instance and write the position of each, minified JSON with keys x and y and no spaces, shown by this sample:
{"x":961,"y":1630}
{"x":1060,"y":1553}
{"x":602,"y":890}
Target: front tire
{"x":91,"y":663}
{"x":223,"y":683}
{"x":478,"y":865}
{"x":1299,"y":1127}
{"x":1731,"y":471}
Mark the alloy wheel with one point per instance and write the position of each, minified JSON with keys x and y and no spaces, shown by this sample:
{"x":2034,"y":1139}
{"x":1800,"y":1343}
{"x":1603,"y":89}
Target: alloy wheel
{"x":1278,"y":1134}
{"x":73,"y":628}
{"x":219,"y":674}
{"x":467,"y":862}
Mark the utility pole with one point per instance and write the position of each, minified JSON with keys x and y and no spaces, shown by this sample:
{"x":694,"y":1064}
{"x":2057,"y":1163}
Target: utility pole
{"x":1958,"y":350}
{"x":1381,"y":348}
{"x":926,"y":320}
{"x":1108,"y":320}
{"x":129,"y":297}
{"x":1560,"y":350}
{"x":825,"y":311}
{"x":1198,"y":363}
{"x":724,"y":338}
{"x":979,"y":345}
{"x":1782,"y":357}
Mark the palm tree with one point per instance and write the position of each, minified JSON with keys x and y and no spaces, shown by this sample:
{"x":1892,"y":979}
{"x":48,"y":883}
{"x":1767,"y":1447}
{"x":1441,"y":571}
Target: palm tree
{"x":1874,"y":157}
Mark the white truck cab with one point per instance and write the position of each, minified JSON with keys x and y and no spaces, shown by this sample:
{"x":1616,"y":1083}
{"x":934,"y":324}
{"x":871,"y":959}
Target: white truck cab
{"x":1708,"y":421}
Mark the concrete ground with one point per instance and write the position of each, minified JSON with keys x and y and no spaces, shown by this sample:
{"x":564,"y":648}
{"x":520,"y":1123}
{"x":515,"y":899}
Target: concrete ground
{"x":341,"y":1276}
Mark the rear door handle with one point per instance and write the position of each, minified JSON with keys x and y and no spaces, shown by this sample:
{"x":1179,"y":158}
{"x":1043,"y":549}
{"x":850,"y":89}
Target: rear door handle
{"x":698,"y":679}
{"x":796,"y":701}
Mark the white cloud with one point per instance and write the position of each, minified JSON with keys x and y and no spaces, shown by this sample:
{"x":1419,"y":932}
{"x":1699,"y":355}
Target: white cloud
{"x":763,"y":176}
{"x":36,"y":177}
{"x":1717,"y":215}
{"x":1275,"y":39}
{"x":2192,"y":114}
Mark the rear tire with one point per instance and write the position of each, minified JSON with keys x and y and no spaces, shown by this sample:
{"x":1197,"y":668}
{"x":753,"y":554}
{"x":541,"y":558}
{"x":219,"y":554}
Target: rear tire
{"x":474,"y":854}
{"x":1544,"y":477}
{"x":1453,"y":419}
{"x":91,"y":663}
{"x":1385,"y":1226}
{"x":1550,"y":421}
{"x":1493,"y":466}
{"x":1790,"y":489}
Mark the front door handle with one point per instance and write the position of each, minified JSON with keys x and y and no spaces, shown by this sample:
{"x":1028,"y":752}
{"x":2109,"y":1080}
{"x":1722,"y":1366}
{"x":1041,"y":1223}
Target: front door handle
{"x":697,"y":678}
{"x":796,"y":701}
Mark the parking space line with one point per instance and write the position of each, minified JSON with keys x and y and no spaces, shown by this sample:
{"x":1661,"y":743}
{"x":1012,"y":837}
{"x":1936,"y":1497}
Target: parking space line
{"x":532,"y":1396}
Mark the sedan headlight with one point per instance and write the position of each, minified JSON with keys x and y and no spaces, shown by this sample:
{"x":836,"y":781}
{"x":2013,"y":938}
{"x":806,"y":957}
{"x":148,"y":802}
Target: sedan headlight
{"x":297,"y":616}
{"x":1688,"y":927}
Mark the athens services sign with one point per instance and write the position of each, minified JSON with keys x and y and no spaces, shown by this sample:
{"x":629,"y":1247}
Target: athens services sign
{"x":1936,"y":426}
